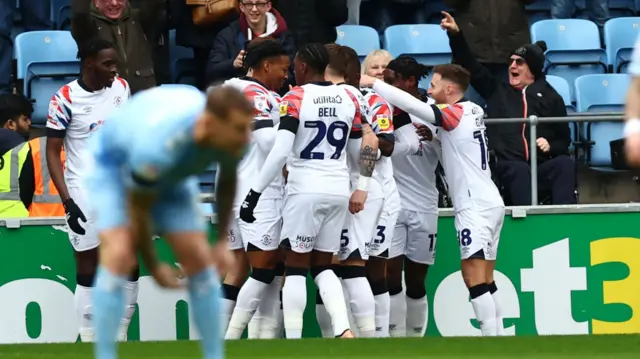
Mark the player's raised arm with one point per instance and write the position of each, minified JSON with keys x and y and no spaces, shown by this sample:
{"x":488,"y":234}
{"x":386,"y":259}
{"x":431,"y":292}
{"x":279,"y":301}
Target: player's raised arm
{"x":289,"y":122}
{"x":401,"y":99}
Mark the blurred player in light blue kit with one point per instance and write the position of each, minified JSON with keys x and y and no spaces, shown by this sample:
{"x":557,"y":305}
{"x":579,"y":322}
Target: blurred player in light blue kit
{"x":142,"y":164}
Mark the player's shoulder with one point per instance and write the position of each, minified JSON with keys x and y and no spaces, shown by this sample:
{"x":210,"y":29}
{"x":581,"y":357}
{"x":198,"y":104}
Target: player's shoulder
{"x":471,"y":108}
{"x":296,"y":93}
{"x":68,"y":92}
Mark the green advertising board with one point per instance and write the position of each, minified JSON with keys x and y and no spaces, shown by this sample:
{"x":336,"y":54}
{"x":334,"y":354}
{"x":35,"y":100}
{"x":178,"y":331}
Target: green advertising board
{"x":558,"y":273}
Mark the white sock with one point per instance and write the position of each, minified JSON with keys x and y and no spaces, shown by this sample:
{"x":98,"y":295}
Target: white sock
{"x":84,"y":310}
{"x":131,"y":298}
{"x":227,"y":309}
{"x":246,"y":305}
{"x":382,"y":314}
{"x":294,"y":301}
{"x":253,"y":328}
{"x":398,"y":315}
{"x":499,"y":318}
{"x":485,"y":309}
{"x":362,"y":305}
{"x":270,"y":325}
{"x":330,"y":289}
{"x":324,"y":321}
{"x":417,"y":312}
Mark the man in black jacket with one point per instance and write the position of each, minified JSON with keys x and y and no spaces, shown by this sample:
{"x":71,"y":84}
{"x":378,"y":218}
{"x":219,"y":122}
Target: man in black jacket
{"x":527,"y":93}
{"x":313,"y":20}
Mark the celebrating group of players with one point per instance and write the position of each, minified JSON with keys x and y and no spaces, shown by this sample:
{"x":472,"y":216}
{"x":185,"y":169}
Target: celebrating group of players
{"x":339,"y":182}
{"x":336,"y":181}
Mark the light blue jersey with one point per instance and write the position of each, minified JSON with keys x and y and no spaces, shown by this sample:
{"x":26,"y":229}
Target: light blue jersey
{"x":147,"y":145}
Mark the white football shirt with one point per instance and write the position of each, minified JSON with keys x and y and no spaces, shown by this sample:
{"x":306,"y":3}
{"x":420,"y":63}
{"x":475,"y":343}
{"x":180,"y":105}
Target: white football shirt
{"x":265,"y":117}
{"x":328,"y":116}
{"x":76,"y":114}
{"x":465,"y":157}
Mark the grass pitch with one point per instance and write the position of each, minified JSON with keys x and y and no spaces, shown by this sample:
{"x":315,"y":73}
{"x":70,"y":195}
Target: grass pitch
{"x":557,"y":347}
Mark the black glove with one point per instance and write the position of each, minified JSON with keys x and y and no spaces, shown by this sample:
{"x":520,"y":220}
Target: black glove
{"x":249,"y":204}
{"x":74,"y":215}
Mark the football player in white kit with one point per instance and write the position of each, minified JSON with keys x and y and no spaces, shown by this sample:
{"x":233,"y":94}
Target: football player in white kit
{"x":269,"y":64}
{"x":478,"y":207}
{"x":317,"y":119}
{"x":359,"y":228}
{"x":416,"y":231}
{"x":632,"y":111}
{"x":76,"y":112}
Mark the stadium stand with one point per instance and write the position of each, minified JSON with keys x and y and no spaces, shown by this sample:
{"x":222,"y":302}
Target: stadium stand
{"x":46,"y":60}
{"x":363,"y":39}
{"x":182,"y":62}
{"x":619,"y":37}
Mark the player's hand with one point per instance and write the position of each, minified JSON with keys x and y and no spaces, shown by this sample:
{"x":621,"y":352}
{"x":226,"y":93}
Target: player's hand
{"x":167,"y":276}
{"x":249,"y":205}
{"x":356,"y":202}
{"x":543,"y":144}
{"x":423,"y":131}
{"x":239,"y":60}
{"x":367,"y":81}
{"x":632,"y":150}
{"x":74,"y":215}
{"x":448,"y":23}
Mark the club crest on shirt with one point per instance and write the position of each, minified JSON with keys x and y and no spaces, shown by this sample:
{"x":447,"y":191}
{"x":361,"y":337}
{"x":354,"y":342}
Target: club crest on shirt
{"x":383,"y":122}
{"x":260,"y":103}
{"x":117,"y":101}
{"x":284,"y":105}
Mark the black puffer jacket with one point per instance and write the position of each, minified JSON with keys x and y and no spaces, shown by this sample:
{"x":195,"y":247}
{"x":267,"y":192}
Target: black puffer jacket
{"x":510,"y":141}
{"x":313,"y":20}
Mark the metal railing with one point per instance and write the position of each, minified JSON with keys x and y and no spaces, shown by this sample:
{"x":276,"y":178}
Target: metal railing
{"x":533,"y":122}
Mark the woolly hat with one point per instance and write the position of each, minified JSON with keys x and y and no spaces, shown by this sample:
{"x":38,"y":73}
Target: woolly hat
{"x":533,"y":54}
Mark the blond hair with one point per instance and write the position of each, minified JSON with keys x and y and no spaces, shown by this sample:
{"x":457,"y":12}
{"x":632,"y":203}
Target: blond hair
{"x":373,"y":54}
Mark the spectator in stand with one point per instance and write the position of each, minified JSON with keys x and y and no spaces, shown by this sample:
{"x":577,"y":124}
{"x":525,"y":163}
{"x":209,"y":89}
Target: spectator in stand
{"x":492,"y":32}
{"x":381,"y":14}
{"x":257,"y":19}
{"x":15,"y":119}
{"x":199,"y":38}
{"x":313,"y":20}
{"x":375,"y":63}
{"x":527,"y":93}
{"x":565,"y":9}
{"x":116,"y":22}
{"x":158,"y":37}
{"x":35,"y":16}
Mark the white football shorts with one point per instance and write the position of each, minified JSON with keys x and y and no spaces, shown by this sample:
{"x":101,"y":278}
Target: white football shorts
{"x":359,"y":230}
{"x":89,"y":240}
{"x":415,"y":236}
{"x":479,"y":232}
{"x":314,"y":221}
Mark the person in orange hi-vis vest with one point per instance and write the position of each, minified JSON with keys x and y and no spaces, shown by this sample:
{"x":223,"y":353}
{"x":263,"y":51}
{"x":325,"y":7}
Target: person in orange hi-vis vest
{"x":46,"y":200}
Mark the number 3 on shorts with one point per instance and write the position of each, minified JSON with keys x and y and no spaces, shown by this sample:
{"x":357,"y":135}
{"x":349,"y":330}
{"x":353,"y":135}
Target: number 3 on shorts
{"x":380,"y":237}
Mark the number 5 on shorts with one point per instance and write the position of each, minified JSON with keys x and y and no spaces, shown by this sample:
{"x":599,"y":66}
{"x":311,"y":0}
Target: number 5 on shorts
{"x":344,"y":240}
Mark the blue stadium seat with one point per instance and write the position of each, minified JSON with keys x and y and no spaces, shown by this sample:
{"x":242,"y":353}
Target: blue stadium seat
{"x":363,"y":39}
{"x":181,"y":61}
{"x":619,"y":38}
{"x":61,"y":14}
{"x":562,"y":87}
{"x":429,"y":44}
{"x":602,"y":93}
{"x":573,"y":48}
{"x":46,"y":60}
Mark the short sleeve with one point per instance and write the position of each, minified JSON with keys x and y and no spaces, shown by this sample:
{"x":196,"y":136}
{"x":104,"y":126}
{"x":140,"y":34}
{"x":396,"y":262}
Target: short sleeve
{"x":448,"y":116}
{"x":59,"y":115}
{"x":362,"y":111}
{"x":381,"y":115}
{"x":262,"y":105}
{"x":291,"y":103}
